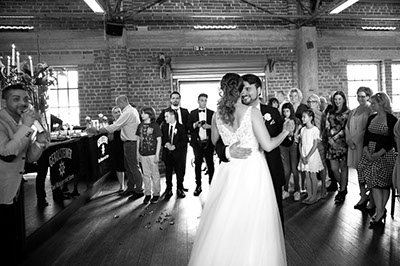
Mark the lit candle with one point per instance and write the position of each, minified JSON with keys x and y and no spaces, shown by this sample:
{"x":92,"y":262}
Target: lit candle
{"x":18,"y":69}
{"x":8,"y":66}
{"x":31,"y":65}
{"x":13,"y":55}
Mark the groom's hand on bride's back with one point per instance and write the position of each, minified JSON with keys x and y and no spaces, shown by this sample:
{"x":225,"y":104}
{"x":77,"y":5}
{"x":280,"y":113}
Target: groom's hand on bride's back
{"x":238,"y":152}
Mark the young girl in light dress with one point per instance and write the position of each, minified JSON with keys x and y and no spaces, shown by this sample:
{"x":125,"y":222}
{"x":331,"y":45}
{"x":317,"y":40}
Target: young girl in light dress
{"x":310,"y":160}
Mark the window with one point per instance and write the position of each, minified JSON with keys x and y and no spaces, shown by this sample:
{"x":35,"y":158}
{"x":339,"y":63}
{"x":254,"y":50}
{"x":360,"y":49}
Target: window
{"x":361,"y":74}
{"x":63,"y":96}
{"x":396,"y":87}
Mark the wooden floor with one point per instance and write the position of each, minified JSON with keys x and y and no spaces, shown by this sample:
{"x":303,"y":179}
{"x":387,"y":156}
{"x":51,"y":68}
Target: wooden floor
{"x":109,"y":230}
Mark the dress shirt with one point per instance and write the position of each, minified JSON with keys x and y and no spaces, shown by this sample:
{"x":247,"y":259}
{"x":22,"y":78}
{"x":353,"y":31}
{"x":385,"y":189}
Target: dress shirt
{"x":169,"y":130}
{"x":202,"y":117}
{"x":127,"y":122}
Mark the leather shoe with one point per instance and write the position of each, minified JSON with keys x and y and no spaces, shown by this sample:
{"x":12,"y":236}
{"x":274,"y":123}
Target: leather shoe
{"x":135,"y":196}
{"x":180,"y":193}
{"x":168,"y":194}
{"x":126,"y":193}
{"x":197,"y":191}
{"x":185,"y":189}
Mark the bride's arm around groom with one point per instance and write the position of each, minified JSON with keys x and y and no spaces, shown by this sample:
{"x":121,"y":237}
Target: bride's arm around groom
{"x":263,"y":137}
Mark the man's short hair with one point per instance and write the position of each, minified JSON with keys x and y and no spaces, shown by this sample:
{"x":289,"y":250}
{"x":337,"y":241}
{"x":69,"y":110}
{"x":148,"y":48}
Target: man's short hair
{"x":252,"y":79}
{"x":172,"y":112}
{"x":150,"y":111}
{"x":175,"y":92}
{"x":6,"y":91}
{"x":202,"y":95}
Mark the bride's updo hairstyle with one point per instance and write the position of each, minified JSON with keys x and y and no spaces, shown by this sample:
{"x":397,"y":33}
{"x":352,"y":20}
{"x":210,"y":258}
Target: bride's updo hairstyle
{"x":231,"y":87}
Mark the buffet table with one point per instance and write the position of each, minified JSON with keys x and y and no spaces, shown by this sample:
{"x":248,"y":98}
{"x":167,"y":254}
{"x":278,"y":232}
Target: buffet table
{"x":85,"y":159}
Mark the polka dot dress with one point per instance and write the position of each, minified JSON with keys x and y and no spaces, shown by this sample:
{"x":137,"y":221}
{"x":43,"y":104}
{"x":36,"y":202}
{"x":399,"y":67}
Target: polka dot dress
{"x":377,"y":173}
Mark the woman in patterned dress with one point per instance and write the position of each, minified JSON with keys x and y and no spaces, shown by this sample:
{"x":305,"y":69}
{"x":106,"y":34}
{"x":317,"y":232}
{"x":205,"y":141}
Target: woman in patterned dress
{"x":355,"y":130}
{"x":337,"y":146}
{"x":379,"y":156}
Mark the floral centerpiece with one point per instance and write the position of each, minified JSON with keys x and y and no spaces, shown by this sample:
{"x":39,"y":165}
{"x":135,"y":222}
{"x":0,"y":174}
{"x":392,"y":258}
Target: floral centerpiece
{"x":35,"y":79}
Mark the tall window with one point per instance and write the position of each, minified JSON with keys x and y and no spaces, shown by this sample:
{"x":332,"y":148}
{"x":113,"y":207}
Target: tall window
{"x":361,"y":74}
{"x":396,"y":87}
{"x":63,"y":96}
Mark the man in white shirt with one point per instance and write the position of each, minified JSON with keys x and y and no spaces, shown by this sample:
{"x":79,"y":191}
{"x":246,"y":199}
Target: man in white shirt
{"x":200,"y":131}
{"x":282,"y":98}
{"x":128,"y":123}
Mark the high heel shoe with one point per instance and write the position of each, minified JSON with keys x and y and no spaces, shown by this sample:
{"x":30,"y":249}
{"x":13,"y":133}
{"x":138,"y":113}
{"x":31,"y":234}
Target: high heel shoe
{"x":361,"y":206}
{"x":380,"y":221}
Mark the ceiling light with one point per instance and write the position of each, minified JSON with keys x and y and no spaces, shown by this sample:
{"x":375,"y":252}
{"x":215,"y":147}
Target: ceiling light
{"x":16,"y":28}
{"x":95,"y":6}
{"x":377,"y":28}
{"x":342,"y":6}
{"x":215,"y":27}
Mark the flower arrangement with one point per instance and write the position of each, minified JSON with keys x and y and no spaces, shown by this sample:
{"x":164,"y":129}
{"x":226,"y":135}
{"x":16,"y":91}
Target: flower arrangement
{"x":35,"y":80}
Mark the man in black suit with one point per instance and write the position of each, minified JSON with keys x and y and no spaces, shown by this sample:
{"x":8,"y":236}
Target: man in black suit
{"x":182,"y":117}
{"x":183,"y":114}
{"x":274,"y":123}
{"x":199,"y":124}
{"x":174,"y":142}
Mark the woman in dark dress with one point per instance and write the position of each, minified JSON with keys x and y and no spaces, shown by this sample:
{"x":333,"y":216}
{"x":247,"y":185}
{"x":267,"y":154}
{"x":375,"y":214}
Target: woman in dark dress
{"x":118,"y":152}
{"x":376,"y":165}
{"x":337,"y":146}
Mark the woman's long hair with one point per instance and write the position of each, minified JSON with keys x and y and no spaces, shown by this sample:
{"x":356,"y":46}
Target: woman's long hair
{"x":231,"y":87}
{"x":335,"y":107}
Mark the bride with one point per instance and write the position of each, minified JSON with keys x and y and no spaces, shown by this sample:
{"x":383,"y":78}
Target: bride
{"x":240,"y":223}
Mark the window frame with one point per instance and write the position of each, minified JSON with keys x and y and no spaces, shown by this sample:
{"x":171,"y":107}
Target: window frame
{"x":351,"y":94}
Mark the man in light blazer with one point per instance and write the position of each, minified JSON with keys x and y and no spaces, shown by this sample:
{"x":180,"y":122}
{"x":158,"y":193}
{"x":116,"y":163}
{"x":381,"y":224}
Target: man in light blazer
{"x":199,"y":124}
{"x":274,"y":124}
{"x":174,"y":143}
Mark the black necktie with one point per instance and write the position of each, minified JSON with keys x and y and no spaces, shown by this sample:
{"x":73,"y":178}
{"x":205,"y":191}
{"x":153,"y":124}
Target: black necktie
{"x":202,"y":111}
{"x":170,"y":134}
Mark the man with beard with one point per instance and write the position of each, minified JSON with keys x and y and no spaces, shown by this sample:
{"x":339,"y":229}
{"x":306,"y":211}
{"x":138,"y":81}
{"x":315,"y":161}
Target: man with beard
{"x":18,"y":144}
{"x":274,"y":123}
{"x":182,"y":118}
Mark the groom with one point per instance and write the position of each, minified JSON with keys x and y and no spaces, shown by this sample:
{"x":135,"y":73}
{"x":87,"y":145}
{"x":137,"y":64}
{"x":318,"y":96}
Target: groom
{"x":273,"y":122}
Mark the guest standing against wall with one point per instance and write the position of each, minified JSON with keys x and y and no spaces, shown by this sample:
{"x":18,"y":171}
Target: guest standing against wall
{"x":200,"y":140}
{"x":355,"y":130}
{"x":337,"y":146}
{"x":376,"y":165}
{"x":314,"y":102}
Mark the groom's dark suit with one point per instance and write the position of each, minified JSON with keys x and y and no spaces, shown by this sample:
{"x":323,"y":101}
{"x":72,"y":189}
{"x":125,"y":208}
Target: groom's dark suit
{"x":274,"y":160}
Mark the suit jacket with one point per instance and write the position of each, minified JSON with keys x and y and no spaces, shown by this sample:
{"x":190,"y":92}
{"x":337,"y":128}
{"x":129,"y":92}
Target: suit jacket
{"x":274,"y":126}
{"x":194,"y":132}
{"x":16,"y":148}
{"x":180,"y":140}
{"x":184,"y":115}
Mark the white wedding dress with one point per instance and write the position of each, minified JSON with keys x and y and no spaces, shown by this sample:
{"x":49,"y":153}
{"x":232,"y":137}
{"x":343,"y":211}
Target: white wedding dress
{"x":240,"y":223}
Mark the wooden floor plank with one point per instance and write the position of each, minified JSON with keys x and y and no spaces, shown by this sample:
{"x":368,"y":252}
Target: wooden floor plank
{"x":111,"y":230}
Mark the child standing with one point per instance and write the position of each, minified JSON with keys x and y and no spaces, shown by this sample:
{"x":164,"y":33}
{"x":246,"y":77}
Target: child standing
{"x":289,"y":153}
{"x":310,"y":160}
{"x":149,"y":146}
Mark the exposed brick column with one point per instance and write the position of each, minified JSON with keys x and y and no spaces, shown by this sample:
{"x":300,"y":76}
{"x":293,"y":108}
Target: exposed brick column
{"x":307,"y":58}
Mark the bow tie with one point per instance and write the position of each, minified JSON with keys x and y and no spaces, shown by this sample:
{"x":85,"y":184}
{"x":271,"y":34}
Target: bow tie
{"x":202,"y":111}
